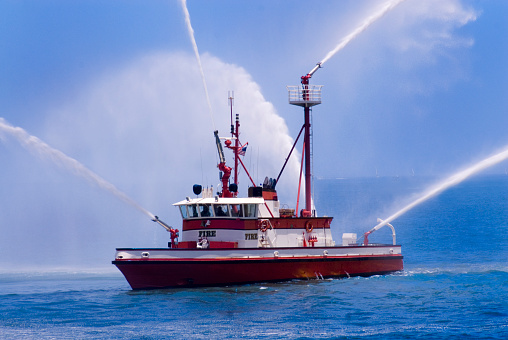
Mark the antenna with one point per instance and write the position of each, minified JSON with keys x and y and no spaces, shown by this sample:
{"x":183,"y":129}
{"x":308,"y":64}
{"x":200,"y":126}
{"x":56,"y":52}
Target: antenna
{"x":231,"y":98}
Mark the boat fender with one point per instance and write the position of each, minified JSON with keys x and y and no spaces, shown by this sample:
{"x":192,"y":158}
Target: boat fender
{"x":309,"y":227}
{"x":264,"y":225}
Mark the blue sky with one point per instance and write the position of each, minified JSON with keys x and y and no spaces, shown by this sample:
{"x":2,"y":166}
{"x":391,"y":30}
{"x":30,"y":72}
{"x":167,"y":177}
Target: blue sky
{"x":115,"y":85}
{"x":431,"y":105}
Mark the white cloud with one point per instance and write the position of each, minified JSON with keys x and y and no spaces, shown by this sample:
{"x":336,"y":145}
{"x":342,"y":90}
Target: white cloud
{"x":147,"y":126}
{"x":429,"y":25}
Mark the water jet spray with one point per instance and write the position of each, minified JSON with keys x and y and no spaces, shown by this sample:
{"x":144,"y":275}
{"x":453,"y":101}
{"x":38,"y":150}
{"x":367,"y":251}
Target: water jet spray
{"x":449,"y":182}
{"x":38,"y":147}
{"x":198,"y":58}
{"x":363,"y":26}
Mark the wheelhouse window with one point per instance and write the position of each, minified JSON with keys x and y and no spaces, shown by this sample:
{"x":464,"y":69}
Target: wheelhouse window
{"x":236,"y":210}
{"x":183,"y":210}
{"x":193,"y":210}
{"x":205,"y":210}
{"x":221,"y":210}
{"x":250,"y":210}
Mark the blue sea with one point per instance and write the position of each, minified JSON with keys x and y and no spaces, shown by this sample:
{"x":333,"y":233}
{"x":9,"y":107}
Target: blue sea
{"x":454,"y":285}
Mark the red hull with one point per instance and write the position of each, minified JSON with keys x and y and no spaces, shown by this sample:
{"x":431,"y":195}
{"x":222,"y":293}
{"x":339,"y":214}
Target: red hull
{"x":154,"y":274}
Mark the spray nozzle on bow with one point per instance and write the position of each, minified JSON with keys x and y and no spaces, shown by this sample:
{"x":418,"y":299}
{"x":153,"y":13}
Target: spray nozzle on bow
{"x":164,"y":225}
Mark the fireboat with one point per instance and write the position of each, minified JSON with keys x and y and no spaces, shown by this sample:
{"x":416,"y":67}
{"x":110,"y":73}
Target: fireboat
{"x":231,"y":240}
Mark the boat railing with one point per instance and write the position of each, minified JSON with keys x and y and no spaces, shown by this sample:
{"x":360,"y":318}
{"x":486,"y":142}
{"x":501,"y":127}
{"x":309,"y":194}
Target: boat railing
{"x":304,"y":95}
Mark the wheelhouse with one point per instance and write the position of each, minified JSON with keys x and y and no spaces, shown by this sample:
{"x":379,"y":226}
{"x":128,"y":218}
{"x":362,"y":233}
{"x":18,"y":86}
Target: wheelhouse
{"x":222,"y":208}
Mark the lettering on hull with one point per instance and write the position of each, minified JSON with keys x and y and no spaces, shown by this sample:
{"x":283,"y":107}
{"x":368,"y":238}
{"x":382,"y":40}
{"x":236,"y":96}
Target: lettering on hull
{"x":207,"y":233}
{"x":251,"y":236}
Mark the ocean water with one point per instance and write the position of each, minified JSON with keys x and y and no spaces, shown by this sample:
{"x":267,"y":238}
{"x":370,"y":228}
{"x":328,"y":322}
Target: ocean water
{"x":454,"y":285}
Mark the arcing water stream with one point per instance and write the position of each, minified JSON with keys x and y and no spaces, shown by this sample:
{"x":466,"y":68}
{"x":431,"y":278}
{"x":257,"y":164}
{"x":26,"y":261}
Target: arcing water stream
{"x":196,"y":52}
{"x":371,"y":19}
{"x":451,"y":181}
{"x":38,"y":147}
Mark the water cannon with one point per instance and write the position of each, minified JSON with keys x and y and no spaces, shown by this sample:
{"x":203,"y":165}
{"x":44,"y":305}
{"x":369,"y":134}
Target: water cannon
{"x":377,"y":227}
{"x":223,"y":167}
{"x":164,"y":225}
{"x":305,"y":79}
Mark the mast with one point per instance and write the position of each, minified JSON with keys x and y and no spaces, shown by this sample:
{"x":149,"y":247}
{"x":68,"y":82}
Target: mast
{"x":306,"y":139}
{"x":235,"y":134}
{"x":231,"y":190}
{"x":307,"y":96}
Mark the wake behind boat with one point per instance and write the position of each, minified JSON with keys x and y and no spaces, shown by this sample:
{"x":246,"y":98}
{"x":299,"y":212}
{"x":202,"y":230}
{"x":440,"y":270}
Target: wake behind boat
{"x":229,"y":240}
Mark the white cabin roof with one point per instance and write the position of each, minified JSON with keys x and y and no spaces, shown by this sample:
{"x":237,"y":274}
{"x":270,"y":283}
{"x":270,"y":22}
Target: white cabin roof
{"x":220,"y":200}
